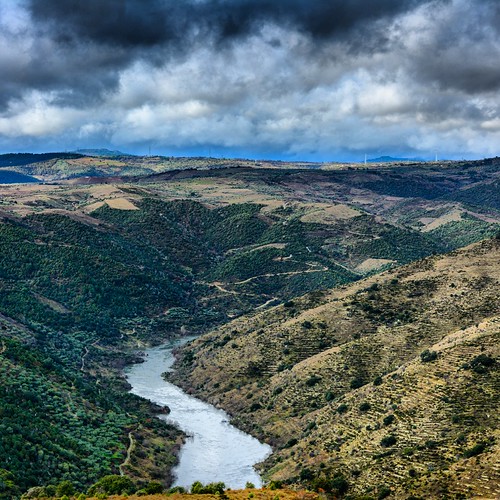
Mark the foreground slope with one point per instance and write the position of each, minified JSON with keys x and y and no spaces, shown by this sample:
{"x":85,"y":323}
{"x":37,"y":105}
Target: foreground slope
{"x":391,"y":381}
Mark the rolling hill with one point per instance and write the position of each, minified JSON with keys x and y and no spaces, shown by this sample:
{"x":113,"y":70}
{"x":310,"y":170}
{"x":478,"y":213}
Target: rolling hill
{"x":391,"y":381}
{"x":108,"y":255}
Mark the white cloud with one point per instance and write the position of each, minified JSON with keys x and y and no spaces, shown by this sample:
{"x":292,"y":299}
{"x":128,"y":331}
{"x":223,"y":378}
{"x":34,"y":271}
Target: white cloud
{"x":275,"y":92}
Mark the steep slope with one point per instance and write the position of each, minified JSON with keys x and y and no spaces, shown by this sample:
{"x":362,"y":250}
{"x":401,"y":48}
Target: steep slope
{"x":57,"y":422}
{"x":316,"y":376}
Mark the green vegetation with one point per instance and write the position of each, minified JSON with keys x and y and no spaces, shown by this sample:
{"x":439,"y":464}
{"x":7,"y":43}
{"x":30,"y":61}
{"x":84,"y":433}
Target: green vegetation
{"x":76,"y":429}
{"x":191,"y":249}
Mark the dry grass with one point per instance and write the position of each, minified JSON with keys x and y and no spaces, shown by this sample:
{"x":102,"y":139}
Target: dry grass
{"x":370,"y":265}
{"x":329,"y":214}
{"x":434,"y":223}
{"x":121,"y":204}
{"x":247,"y":494}
{"x":441,"y":303}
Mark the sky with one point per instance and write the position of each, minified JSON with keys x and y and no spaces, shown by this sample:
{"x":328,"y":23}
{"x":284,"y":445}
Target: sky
{"x":318,"y":80}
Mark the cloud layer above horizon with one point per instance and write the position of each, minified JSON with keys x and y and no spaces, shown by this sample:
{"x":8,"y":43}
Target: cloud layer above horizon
{"x":329,"y":79}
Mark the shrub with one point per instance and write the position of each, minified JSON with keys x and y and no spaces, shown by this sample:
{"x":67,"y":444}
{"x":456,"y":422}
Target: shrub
{"x":342,"y":408}
{"x":176,"y":489}
{"x":65,"y":488}
{"x":197,"y":488}
{"x":428,"y":356}
{"x":378,"y":381}
{"x":306,"y":474}
{"x":153,"y":488}
{"x":275,"y":485}
{"x":475,"y":450}
{"x":249,"y":485}
{"x":387,"y":441}
{"x":364,"y":407}
{"x":290,"y":443}
{"x":340,"y":484}
{"x":389,"y":419}
{"x":312,"y":380}
{"x":329,"y":396}
{"x":481,"y":363}
{"x":310,"y":426}
{"x":357,"y":382}
{"x":112,"y":485}
{"x":383,"y":492}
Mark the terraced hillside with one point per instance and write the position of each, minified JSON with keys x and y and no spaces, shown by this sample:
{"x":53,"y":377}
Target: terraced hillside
{"x":391,"y":381}
{"x":98,"y":261}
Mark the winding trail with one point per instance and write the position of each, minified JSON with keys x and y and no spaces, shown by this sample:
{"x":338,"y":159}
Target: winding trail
{"x":130,"y":450}
{"x":221,"y":286}
{"x":288,"y":273}
{"x":87,"y":350}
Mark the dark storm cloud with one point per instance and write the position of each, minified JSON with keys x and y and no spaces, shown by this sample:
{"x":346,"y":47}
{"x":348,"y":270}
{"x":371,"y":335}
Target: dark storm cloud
{"x":283,"y":75}
{"x":463,"y":51}
{"x":82,"y":45}
{"x":139,"y":23}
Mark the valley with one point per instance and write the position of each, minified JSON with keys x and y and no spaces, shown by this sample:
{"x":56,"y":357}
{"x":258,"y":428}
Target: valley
{"x":314,"y":289}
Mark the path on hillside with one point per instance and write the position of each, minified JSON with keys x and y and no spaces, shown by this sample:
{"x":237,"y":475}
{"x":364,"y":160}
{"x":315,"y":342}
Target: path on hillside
{"x":130,"y":450}
{"x":221,"y":286}
{"x":87,"y":350}
{"x":288,"y":273}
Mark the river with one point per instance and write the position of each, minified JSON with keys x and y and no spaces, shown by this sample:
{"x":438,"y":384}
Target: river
{"x":214,"y":450}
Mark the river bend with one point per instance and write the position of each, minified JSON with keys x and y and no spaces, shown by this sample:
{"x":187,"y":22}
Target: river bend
{"x":214,"y":450}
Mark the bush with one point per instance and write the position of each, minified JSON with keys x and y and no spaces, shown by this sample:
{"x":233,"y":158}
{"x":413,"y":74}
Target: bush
{"x":306,"y":474}
{"x":65,"y":488}
{"x":388,"y":441}
{"x":342,"y":408}
{"x":364,"y":407}
{"x":378,"y":381}
{"x":153,"y":488}
{"x":249,"y":485}
{"x":481,"y":363}
{"x":340,"y":484}
{"x":290,"y":443}
{"x":383,"y":492}
{"x":197,"y":488}
{"x":176,"y":489}
{"x":275,"y":485}
{"x":428,"y":356}
{"x":113,"y":485}
{"x":389,"y":419}
{"x":475,"y":450}
{"x":312,"y":380}
{"x":357,"y":383}
{"x":329,"y":396}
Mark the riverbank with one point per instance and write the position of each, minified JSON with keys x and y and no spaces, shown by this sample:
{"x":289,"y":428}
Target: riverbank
{"x":214,"y":449}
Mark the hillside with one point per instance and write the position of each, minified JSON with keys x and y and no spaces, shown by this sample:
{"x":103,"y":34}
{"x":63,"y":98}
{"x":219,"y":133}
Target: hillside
{"x":391,"y":381}
{"x":59,"y":422}
{"x":94,"y":267}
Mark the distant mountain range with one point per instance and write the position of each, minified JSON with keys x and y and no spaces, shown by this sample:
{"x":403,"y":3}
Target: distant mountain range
{"x":100,"y":152}
{"x":389,"y":159}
